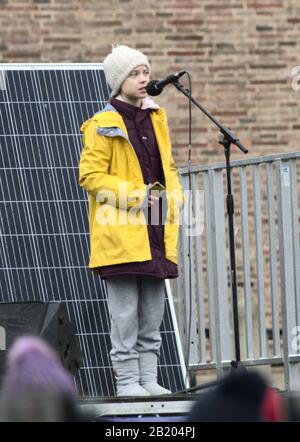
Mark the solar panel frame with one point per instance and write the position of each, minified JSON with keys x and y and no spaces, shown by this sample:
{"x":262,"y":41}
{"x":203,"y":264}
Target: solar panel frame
{"x":44,"y":241}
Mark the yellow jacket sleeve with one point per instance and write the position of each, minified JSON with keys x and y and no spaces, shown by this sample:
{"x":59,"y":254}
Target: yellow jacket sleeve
{"x":94,"y":174}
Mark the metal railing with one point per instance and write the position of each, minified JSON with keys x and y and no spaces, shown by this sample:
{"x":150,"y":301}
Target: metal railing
{"x":266,"y":195}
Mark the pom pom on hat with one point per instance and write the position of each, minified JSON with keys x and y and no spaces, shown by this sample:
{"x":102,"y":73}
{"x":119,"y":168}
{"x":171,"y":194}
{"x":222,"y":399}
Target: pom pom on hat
{"x":119,"y":63}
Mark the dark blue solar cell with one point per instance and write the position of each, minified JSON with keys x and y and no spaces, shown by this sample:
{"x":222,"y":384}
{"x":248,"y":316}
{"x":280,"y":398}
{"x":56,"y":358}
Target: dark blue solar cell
{"x":20,"y":86}
{"x":51,"y":86}
{"x":21,"y":118}
{"x":5,"y":118}
{"x":40,"y":151}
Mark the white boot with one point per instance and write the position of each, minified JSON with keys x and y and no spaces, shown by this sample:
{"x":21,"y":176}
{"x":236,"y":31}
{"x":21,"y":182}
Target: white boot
{"x":127,"y":376}
{"x":148,"y":374}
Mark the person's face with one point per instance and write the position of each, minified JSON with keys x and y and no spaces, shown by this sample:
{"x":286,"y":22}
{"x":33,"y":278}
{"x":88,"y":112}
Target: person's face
{"x":134,"y":87}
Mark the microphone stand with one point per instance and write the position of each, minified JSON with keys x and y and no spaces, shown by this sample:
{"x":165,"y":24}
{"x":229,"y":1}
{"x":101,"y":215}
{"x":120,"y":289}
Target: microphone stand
{"x":228,"y":139}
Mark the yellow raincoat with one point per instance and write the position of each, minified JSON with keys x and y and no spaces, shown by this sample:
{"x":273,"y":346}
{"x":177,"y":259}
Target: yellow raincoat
{"x":110,"y":172}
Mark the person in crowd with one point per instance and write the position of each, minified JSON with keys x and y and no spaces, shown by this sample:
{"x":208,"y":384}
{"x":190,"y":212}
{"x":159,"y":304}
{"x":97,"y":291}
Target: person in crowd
{"x":241,"y":396}
{"x":36,"y":387}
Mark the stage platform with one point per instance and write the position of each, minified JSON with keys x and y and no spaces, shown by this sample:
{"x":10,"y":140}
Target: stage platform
{"x":169,"y":407}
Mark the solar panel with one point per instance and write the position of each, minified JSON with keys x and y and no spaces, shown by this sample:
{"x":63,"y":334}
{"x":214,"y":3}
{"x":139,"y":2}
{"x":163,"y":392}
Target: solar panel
{"x":44,"y":243}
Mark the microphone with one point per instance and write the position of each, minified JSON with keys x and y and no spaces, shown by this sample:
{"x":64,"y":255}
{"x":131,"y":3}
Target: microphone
{"x":155,"y":87}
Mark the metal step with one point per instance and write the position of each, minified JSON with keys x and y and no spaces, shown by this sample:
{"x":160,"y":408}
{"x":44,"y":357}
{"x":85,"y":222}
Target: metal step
{"x":136,"y":406}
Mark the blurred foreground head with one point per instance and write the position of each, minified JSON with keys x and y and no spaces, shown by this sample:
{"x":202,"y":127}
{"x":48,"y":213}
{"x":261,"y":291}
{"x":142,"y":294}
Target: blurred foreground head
{"x":36,"y":387}
{"x":241,"y":396}
{"x":292,"y":403}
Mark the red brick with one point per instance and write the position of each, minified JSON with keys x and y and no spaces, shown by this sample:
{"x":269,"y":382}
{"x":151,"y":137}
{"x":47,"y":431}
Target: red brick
{"x":240,"y":55}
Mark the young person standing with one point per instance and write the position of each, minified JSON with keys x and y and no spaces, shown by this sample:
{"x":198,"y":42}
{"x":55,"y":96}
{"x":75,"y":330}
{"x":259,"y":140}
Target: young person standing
{"x":127,"y":148}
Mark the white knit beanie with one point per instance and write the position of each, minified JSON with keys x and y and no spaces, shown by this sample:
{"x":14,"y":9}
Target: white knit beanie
{"x":118,"y":65}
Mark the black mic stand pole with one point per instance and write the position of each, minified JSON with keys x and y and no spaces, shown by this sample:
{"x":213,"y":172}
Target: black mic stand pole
{"x":228,"y":139}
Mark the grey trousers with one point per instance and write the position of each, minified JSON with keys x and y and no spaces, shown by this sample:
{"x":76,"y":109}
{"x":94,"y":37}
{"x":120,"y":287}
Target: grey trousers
{"x":136,"y":307}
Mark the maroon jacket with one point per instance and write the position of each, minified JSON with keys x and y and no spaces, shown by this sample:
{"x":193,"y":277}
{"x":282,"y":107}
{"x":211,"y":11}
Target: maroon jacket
{"x":142,"y":138}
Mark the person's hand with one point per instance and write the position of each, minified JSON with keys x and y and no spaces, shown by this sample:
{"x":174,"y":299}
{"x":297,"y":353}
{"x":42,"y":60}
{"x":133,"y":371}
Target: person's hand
{"x":149,"y":200}
{"x":152,"y":199}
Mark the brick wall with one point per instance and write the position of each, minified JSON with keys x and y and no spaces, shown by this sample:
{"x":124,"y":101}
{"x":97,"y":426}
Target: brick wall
{"x":240,"y":54}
